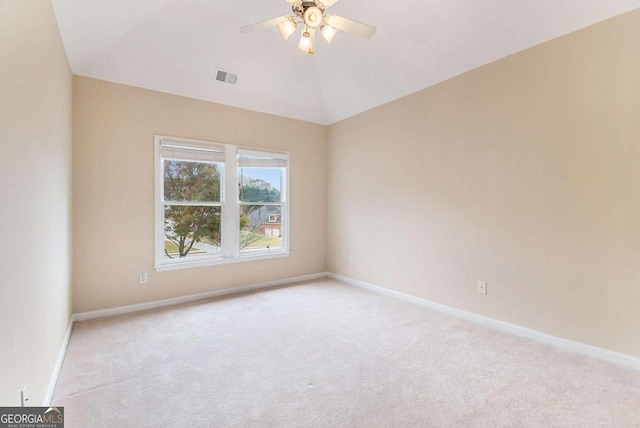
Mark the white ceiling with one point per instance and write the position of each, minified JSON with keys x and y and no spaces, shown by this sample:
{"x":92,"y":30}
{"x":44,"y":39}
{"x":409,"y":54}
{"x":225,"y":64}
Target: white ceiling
{"x":175,"y":46}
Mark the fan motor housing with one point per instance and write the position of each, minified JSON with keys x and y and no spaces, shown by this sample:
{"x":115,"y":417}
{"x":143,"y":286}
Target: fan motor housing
{"x":302,"y":8}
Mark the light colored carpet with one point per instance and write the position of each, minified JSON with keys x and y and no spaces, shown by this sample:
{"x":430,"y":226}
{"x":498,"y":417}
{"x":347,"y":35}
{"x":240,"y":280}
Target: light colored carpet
{"x":326,"y":354}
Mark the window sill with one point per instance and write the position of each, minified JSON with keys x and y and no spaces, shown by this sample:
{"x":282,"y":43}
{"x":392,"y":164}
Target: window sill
{"x":222,"y":261}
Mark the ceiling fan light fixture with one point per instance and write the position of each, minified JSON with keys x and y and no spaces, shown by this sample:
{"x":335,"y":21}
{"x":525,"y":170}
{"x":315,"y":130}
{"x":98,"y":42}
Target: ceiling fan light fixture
{"x":328,"y":32}
{"x":287,"y":28}
{"x":306,"y":42}
{"x":313,"y":17}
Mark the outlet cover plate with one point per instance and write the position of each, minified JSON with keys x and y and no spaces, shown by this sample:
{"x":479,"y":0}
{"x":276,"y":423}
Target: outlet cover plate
{"x":482,"y":287}
{"x":24,"y":395}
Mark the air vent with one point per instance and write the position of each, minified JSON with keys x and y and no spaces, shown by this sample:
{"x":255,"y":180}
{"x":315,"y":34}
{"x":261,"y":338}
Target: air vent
{"x":225,"y":76}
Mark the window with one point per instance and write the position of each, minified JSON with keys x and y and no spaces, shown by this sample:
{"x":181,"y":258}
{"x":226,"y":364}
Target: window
{"x":260,"y":183}
{"x":218,"y":203}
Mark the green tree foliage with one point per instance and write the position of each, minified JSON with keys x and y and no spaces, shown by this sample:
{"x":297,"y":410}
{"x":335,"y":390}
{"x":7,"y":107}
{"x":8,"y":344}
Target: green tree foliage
{"x":259,"y":193}
{"x":187,"y":225}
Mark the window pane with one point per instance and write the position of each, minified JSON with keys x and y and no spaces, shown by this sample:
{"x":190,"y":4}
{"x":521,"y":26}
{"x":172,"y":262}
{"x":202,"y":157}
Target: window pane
{"x":261,"y":228}
{"x":192,"y":231}
{"x":260,"y":184}
{"x":191,"y":181}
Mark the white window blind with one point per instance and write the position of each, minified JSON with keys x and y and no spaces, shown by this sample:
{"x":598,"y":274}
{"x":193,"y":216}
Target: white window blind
{"x":176,"y":151}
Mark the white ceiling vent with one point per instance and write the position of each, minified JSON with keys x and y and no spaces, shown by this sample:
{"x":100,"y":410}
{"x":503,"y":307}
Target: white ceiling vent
{"x":225,"y":76}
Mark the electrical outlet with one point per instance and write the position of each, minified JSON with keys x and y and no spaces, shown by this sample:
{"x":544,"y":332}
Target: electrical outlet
{"x":482,"y":287}
{"x":350,"y":260}
{"x":143,"y":278}
{"x":24,"y":395}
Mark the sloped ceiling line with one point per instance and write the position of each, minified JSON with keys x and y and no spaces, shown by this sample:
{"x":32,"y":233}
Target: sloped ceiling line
{"x":174,"y":46}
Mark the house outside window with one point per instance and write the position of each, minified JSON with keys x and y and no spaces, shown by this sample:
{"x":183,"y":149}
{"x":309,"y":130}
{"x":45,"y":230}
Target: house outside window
{"x":261,"y":180}
{"x":218,"y":203}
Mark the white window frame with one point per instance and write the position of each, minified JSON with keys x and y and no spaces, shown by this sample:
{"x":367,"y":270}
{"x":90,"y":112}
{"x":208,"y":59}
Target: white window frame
{"x":230,"y":205}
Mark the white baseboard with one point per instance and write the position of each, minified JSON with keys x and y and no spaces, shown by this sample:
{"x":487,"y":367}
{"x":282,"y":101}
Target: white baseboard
{"x":56,"y":369}
{"x":191,"y":298}
{"x":569,"y":345}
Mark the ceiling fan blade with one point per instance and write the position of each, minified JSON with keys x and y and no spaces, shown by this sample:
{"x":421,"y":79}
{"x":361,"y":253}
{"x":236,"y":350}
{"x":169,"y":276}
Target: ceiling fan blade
{"x":326,"y":3}
{"x":350,"y":26}
{"x":264,"y":24}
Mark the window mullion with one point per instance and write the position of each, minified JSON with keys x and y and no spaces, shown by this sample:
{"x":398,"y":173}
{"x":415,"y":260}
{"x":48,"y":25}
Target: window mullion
{"x":265,"y":204}
{"x":192,"y":204}
{"x":230,"y":208}
{"x":159,"y":206}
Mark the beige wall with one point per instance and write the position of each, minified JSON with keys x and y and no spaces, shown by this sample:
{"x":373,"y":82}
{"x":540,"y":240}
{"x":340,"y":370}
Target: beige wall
{"x":113,"y":184}
{"x":524,"y":173}
{"x":35,"y":197}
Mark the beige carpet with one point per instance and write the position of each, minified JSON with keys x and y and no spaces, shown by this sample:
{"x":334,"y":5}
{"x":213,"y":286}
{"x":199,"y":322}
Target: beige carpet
{"x":326,"y":354}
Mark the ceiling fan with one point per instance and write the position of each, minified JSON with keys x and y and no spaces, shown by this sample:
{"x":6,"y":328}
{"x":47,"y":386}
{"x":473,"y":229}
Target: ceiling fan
{"x":311,"y":15}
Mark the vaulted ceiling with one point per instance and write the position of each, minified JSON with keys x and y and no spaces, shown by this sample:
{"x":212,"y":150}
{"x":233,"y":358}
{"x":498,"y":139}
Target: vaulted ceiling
{"x":175,"y":46}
